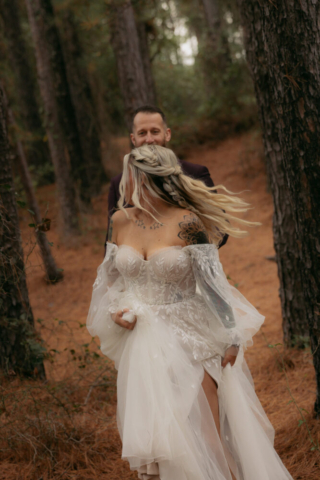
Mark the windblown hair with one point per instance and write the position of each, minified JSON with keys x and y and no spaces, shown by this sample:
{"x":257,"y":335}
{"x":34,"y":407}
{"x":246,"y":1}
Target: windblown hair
{"x":156,"y":173}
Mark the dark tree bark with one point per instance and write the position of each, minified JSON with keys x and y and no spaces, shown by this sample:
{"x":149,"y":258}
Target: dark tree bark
{"x":294,"y":312}
{"x":83,"y":102}
{"x":57,"y":106}
{"x":21,"y":351}
{"x":53,"y":274}
{"x":142,"y":28}
{"x":125,"y":43}
{"x":61,"y":124}
{"x":283,"y":49}
{"x":25,"y":82}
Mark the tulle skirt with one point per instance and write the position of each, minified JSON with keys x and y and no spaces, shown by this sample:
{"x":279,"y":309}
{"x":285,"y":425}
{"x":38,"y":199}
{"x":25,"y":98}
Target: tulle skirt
{"x":164,"y":419}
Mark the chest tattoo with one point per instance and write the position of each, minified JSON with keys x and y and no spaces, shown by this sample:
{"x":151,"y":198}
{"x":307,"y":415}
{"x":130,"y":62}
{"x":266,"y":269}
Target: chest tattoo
{"x":154,"y":226}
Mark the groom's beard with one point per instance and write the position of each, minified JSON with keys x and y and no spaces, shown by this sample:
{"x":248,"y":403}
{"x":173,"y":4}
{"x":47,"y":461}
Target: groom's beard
{"x":164,"y":143}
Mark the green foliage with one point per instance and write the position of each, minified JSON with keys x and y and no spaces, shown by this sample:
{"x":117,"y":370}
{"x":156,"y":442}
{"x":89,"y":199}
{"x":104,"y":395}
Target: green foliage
{"x":299,"y":341}
{"x":202,"y":102}
{"x":42,"y":174}
{"x":31,"y":348}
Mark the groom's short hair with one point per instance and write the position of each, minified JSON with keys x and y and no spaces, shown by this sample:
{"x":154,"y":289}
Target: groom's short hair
{"x":149,"y":109}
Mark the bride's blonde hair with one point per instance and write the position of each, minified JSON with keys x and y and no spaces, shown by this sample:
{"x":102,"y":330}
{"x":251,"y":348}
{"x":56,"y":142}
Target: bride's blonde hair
{"x":155,"y":172}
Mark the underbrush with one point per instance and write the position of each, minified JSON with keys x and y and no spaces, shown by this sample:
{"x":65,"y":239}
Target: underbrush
{"x":298,"y":442}
{"x":212,"y":130}
{"x":61,"y":428}
{"x":65,"y":428}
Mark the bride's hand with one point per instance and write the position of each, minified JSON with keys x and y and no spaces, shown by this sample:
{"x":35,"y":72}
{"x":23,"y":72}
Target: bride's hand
{"x":117,"y":318}
{"x":230,"y":355}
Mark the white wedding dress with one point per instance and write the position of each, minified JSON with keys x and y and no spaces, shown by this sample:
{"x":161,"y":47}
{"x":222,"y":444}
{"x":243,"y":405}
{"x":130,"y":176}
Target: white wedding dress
{"x":187,"y":315}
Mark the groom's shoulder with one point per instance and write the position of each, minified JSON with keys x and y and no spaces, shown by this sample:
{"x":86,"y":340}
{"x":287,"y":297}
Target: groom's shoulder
{"x":194,"y":169}
{"x":115,"y":181}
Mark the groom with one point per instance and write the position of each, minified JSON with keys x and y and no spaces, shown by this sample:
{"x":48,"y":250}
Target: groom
{"x":149,"y":127}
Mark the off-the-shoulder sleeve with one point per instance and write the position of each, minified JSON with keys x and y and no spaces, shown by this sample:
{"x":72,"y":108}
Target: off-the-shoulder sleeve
{"x":234,"y":321}
{"x":108,"y":290}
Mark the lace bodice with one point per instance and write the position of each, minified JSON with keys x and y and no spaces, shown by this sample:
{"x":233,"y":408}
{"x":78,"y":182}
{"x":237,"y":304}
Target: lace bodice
{"x":166,"y":277}
{"x":183,"y":287}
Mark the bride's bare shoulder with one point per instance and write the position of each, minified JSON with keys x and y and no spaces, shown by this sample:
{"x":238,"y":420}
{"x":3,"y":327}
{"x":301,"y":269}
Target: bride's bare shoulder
{"x":119,"y":217}
{"x":118,"y":220}
{"x":191,"y":228}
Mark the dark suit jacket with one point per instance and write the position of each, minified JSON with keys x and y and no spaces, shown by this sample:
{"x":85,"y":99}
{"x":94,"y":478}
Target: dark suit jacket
{"x":199,"y":172}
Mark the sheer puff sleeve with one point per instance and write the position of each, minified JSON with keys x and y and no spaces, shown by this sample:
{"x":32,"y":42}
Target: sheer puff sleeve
{"x":234,"y":321}
{"x":108,"y":290}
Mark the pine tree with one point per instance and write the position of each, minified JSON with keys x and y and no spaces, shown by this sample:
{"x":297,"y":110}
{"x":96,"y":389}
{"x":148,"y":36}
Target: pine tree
{"x":283,"y":49}
{"x":21,"y":351}
{"x":85,"y":112}
{"x":60,"y":119}
{"x":25,"y":83}
{"x":125,"y":43}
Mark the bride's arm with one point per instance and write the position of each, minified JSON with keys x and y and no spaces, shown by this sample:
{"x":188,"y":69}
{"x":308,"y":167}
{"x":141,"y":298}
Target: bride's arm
{"x":193,"y":232}
{"x":234,"y":320}
{"x":114,"y":226}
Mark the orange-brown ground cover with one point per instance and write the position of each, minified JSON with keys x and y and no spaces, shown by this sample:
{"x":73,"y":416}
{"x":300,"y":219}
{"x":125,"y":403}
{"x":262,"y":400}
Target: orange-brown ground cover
{"x":66,"y":429}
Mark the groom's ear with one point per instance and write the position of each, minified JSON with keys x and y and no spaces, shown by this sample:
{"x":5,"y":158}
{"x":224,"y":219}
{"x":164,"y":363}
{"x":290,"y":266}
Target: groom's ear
{"x":132,"y":139}
{"x":168,"y":135}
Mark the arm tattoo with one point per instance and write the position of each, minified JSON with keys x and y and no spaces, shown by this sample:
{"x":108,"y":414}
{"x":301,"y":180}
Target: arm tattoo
{"x":192,"y":230}
{"x":110,"y":230}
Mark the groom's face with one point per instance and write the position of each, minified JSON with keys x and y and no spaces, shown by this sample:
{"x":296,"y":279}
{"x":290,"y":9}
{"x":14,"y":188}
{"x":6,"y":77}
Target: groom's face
{"x":149,"y":129}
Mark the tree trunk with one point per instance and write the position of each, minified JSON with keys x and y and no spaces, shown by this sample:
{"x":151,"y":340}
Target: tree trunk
{"x":213,"y":18}
{"x":125,"y":43}
{"x":294,"y":313}
{"x":283,"y":50}
{"x":142,"y":28}
{"x":57,"y":107}
{"x":218,"y":42}
{"x":21,"y":351}
{"x":61,"y":121}
{"x":53,"y":274}
{"x":84,"y":105}
{"x":25,"y":83}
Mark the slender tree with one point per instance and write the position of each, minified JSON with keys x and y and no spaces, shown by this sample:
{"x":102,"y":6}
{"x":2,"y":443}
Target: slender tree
{"x":142,"y":28}
{"x":25,"y":82}
{"x":218,"y":41}
{"x":214,"y":53}
{"x":83,"y":102}
{"x":125,"y":43}
{"x":283,"y":49}
{"x":52,"y":272}
{"x":57,"y":106}
{"x":61,"y":124}
{"x":21,"y":351}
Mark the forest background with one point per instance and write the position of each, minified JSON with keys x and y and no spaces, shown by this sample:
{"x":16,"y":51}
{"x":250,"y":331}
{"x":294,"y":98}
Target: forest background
{"x":72,"y":72}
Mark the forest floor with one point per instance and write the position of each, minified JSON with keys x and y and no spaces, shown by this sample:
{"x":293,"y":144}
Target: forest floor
{"x":66,"y":428}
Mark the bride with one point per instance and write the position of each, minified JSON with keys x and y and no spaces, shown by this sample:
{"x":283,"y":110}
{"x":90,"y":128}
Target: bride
{"x":177,"y":330}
